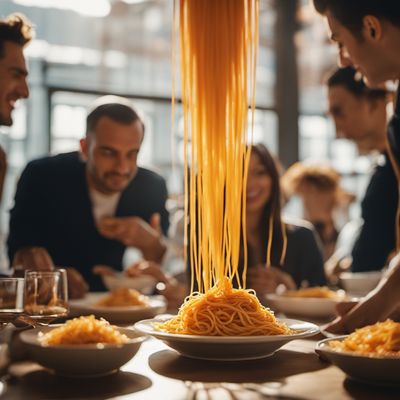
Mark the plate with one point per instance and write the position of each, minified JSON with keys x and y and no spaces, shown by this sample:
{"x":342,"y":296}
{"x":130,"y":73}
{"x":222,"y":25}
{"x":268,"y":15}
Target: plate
{"x":226,"y":348}
{"x":303,"y":306}
{"x":368,"y":369}
{"x":81,"y":360}
{"x":144,"y":283}
{"x":116,"y":315}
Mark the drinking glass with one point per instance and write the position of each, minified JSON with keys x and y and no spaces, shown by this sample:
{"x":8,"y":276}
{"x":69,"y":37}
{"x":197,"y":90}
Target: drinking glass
{"x":45,"y":296}
{"x":11,"y":300}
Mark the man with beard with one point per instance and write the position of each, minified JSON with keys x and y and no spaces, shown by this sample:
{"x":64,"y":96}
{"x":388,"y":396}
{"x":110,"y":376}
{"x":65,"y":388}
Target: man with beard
{"x":368,"y":37}
{"x":84,"y":208}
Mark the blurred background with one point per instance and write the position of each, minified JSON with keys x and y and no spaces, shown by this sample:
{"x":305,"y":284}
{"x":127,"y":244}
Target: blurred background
{"x":87,"y":48}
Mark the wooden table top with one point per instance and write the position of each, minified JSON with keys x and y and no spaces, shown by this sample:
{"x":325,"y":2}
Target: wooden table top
{"x":156,"y":372}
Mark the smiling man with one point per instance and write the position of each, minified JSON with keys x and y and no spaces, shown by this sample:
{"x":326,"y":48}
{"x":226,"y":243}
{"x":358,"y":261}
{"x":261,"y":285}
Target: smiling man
{"x":85,"y":208}
{"x":368,"y":36}
{"x":15,"y":33}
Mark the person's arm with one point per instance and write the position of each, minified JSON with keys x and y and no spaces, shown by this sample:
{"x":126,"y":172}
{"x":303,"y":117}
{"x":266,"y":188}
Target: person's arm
{"x":135,"y":232}
{"x":3,"y":170}
{"x":28,"y":215}
{"x":378,"y":305}
{"x":377,"y":235}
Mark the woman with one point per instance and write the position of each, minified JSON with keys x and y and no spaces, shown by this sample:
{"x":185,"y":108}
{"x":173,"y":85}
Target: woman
{"x":294,"y":258}
{"x":279,"y":252}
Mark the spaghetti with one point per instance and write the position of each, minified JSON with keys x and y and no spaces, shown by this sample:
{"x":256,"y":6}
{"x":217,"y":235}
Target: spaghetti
{"x":84,"y":330}
{"x":123,"y":297}
{"x":218,"y":43}
{"x":319,"y":292}
{"x":381,"y":339}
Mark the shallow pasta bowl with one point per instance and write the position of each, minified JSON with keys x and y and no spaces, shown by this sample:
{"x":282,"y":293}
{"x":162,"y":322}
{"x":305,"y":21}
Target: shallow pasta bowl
{"x":117,"y":315}
{"x":377,"y":370}
{"x":311,"y":307}
{"x":226,"y":348}
{"x":81,"y":360}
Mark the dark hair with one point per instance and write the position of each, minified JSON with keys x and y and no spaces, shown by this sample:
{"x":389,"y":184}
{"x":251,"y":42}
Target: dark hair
{"x":350,"y":13}
{"x":118,"y":112}
{"x":15,"y":28}
{"x":347,"y":77}
{"x":273,"y":205}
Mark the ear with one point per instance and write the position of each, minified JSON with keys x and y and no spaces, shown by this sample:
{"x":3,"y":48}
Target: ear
{"x":372,"y":28}
{"x":84,"y":148}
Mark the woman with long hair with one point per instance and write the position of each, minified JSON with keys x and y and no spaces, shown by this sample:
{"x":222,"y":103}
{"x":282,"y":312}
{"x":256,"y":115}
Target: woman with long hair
{"x":279,"y":251}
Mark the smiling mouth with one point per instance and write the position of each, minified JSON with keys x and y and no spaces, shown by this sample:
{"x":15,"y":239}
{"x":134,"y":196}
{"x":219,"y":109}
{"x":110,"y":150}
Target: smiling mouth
{"x":253,"y":194}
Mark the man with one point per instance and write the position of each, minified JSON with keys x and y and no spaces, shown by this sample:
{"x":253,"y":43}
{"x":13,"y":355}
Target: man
{"x":15,"y":33}
{"x":86,"y":208}
{"x":368,"y":36}
{"x":360,"y":115}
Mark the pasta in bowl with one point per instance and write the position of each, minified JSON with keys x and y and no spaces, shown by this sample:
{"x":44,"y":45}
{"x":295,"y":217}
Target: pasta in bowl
{"x":313,"y":302}
{"x":121,"y":308}
{"x":226,"y":348}
{"x":370,"y":354}
{"x":82,"y":347}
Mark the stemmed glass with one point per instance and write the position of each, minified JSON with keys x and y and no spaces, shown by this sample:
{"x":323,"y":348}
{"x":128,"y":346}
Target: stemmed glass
{"x":11,"y":300}
{"x":45,"y":296}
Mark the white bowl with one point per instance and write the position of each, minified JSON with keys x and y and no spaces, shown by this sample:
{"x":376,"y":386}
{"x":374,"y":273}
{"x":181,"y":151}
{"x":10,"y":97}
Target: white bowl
{"x":226,"y":348}
{"x":81,"y":360}
{"x":303,"y":306}
{"x":124,"y":315}
{"x":143,"y":283}
{"x":375,"y":370}
{"x":359,"y":283}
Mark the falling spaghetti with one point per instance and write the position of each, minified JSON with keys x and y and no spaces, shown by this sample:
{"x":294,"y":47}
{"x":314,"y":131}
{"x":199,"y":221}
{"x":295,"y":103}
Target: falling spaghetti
{"x":218,"y":49}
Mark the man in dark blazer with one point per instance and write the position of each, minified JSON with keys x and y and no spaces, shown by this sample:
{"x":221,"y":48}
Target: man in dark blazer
{"x":85,"y":208}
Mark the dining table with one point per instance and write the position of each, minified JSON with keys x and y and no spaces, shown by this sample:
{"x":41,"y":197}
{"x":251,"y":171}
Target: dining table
{"x":295,"y":371}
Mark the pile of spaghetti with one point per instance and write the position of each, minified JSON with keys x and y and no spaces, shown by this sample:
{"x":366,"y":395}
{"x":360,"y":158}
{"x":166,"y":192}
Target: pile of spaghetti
{"x":83,"y":330}
{"x":320,"y":292}
{"x":123,"y":297}
{"x":381,"y":339}
{"x":218,"y":57}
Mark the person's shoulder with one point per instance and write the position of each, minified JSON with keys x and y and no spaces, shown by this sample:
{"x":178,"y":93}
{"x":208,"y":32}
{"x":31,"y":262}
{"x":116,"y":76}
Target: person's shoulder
{"x":65,"y":163}
{"x":56,"y":161}
{"x":298,"y":226}
{"x":148,"y":175}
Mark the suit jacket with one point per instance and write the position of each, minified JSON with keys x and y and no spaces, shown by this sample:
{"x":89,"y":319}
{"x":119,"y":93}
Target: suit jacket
{"x":53,"y":209}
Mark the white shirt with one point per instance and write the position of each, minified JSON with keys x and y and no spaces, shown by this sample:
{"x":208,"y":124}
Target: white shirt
{"x":103,"y":205}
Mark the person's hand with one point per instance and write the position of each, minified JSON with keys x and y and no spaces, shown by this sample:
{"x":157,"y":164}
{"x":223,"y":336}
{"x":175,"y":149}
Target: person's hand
{"x":169,"y":287}
{"x":377,"y":305}
{"x":135,"y":232}
{"x":334,"y":267}
{"x":77,"y":286}
{"x":104,"y":270}
{"x":145,"y":267}
{"x":32,"y":258}
{"x":266,"y":279}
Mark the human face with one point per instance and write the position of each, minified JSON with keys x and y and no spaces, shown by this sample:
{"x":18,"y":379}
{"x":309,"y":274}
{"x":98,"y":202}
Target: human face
{"x":370,"y":54}
{"x":353,"y":117}
{"x":111,"y":152}
{"x":13,"y":85}
{"x":259,"y":185}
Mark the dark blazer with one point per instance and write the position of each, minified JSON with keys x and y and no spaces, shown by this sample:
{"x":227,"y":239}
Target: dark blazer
{"x":53,"y":209}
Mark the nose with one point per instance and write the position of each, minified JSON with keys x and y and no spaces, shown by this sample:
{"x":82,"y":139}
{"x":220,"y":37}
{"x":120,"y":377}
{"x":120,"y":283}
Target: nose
{"x":122,"y":165}
{"x":23,"y":89}
{"x":344,"y":59}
